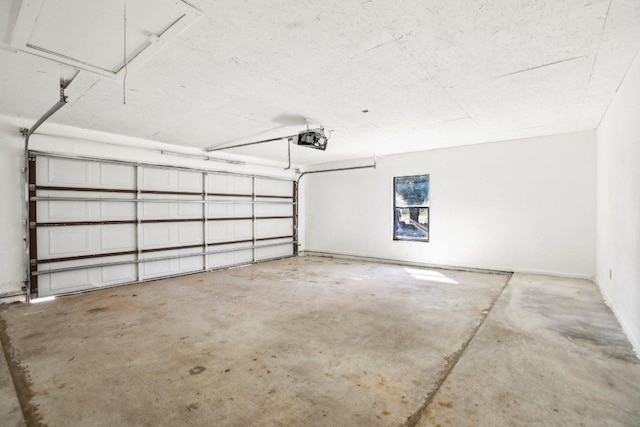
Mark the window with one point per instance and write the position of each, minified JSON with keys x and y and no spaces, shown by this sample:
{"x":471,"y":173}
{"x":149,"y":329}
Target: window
{"x":411,"y":208}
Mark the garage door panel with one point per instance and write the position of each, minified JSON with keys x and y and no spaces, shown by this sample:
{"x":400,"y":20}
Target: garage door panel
{"x":220,"y":211}
{"x":64,"y":211}
{"x":94,"y":276}
{"x":228,"y":210}
{"x":229,"y":184}
{"x":117,"y":211}
{"x":226,"y":231}
{"x":219,"y":232}
{"x":60,"y":242}
{"x":157,"y":269}
{"x":69,"y":211}
{"x":167,"y":267}
{"x":226,"y":259}
{"x":189,"y":210}
{"x":274,"y":227}
{"x":241,"y":230}
{"x":70,"y":280}
{"x":116,"y":274}
{"x":190,"y":233}
{"x":190,"y":264}
{"x":69,"y":242}
{"x":274,"y":252}
{"x":274,"y":209}
{"x":156,"y":236}
{"x":271,"y":187}
{"x":119,"y":238}
{"x":65,"y":172}
{"x":173,"y":209}
{"x":117,"y":176}
{"x":189,"y":181}
{"x":56,"y":210}
{"x":156,"y":179}
{"x":155,"y":211}
{"x":84,"y":174}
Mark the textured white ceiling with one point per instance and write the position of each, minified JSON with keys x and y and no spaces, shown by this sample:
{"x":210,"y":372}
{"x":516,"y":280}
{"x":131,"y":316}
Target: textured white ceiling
{"x":430,"y":73}
{"x":46,"y":28}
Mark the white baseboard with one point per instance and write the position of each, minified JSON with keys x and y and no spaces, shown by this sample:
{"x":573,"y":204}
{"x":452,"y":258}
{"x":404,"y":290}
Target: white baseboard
{"x":400,"y":262}
{"x":446,"y":267}
{"x":556,"y":274}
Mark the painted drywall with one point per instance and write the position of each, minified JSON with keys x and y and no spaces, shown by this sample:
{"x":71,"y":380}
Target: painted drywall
{"x":618,"y":205}
{"x":12,"y":247}
{"x":81,"y":142}
{"x":524,"y":205}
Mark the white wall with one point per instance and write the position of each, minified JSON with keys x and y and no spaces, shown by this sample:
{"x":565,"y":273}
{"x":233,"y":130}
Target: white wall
{"x":525,"y":205}
{"x":618,"y":204}
{"x":79,"y":142}
{"x":12,"y":248}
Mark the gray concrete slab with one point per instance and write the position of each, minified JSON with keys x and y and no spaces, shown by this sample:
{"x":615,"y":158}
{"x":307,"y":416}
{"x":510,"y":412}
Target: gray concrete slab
{"x":549,"y":353}
{"x":313,"y":341}
{"x":303,"y":341}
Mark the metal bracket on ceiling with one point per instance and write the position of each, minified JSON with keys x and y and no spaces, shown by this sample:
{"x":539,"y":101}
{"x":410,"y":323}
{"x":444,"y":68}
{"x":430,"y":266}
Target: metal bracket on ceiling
{"x":61,"y":103}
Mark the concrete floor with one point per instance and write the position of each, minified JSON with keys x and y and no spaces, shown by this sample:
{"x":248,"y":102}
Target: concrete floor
{"x":549,"y":353}
{"x":314,"y":341}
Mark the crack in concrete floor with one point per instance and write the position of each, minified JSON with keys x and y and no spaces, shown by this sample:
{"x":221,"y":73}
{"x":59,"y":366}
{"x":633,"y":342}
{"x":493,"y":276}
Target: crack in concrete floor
{"x":414,"y":418}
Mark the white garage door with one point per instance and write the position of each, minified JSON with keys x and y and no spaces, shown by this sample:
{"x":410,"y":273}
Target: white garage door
{"x":95,"y":223}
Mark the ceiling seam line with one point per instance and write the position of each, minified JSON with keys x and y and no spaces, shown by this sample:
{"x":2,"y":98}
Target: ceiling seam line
{"x":456,"y":102}
{"x":540,"y":66}
{"x":84,"y":94}
{"x":593,"y":64}
{"x":595,"y":57}
{"x":635,"y":57}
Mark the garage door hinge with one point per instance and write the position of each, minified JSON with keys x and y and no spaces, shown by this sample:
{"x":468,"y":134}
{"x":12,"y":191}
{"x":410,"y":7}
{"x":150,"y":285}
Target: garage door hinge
{"x":33,"y":261}
{"x":32,"y":225}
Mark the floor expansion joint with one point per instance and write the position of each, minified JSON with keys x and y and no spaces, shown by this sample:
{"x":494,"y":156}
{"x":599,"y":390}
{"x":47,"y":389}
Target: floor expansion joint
{"x":452,"y":359}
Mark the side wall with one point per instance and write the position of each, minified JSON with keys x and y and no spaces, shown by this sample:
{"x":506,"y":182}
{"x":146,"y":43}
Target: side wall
{"x":12,"y":246}
{"x":526,"y":205}
{"x":618,"y":201}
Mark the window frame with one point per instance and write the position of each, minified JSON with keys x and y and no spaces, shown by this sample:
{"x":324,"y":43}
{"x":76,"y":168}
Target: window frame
{"x":395,"y":207}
